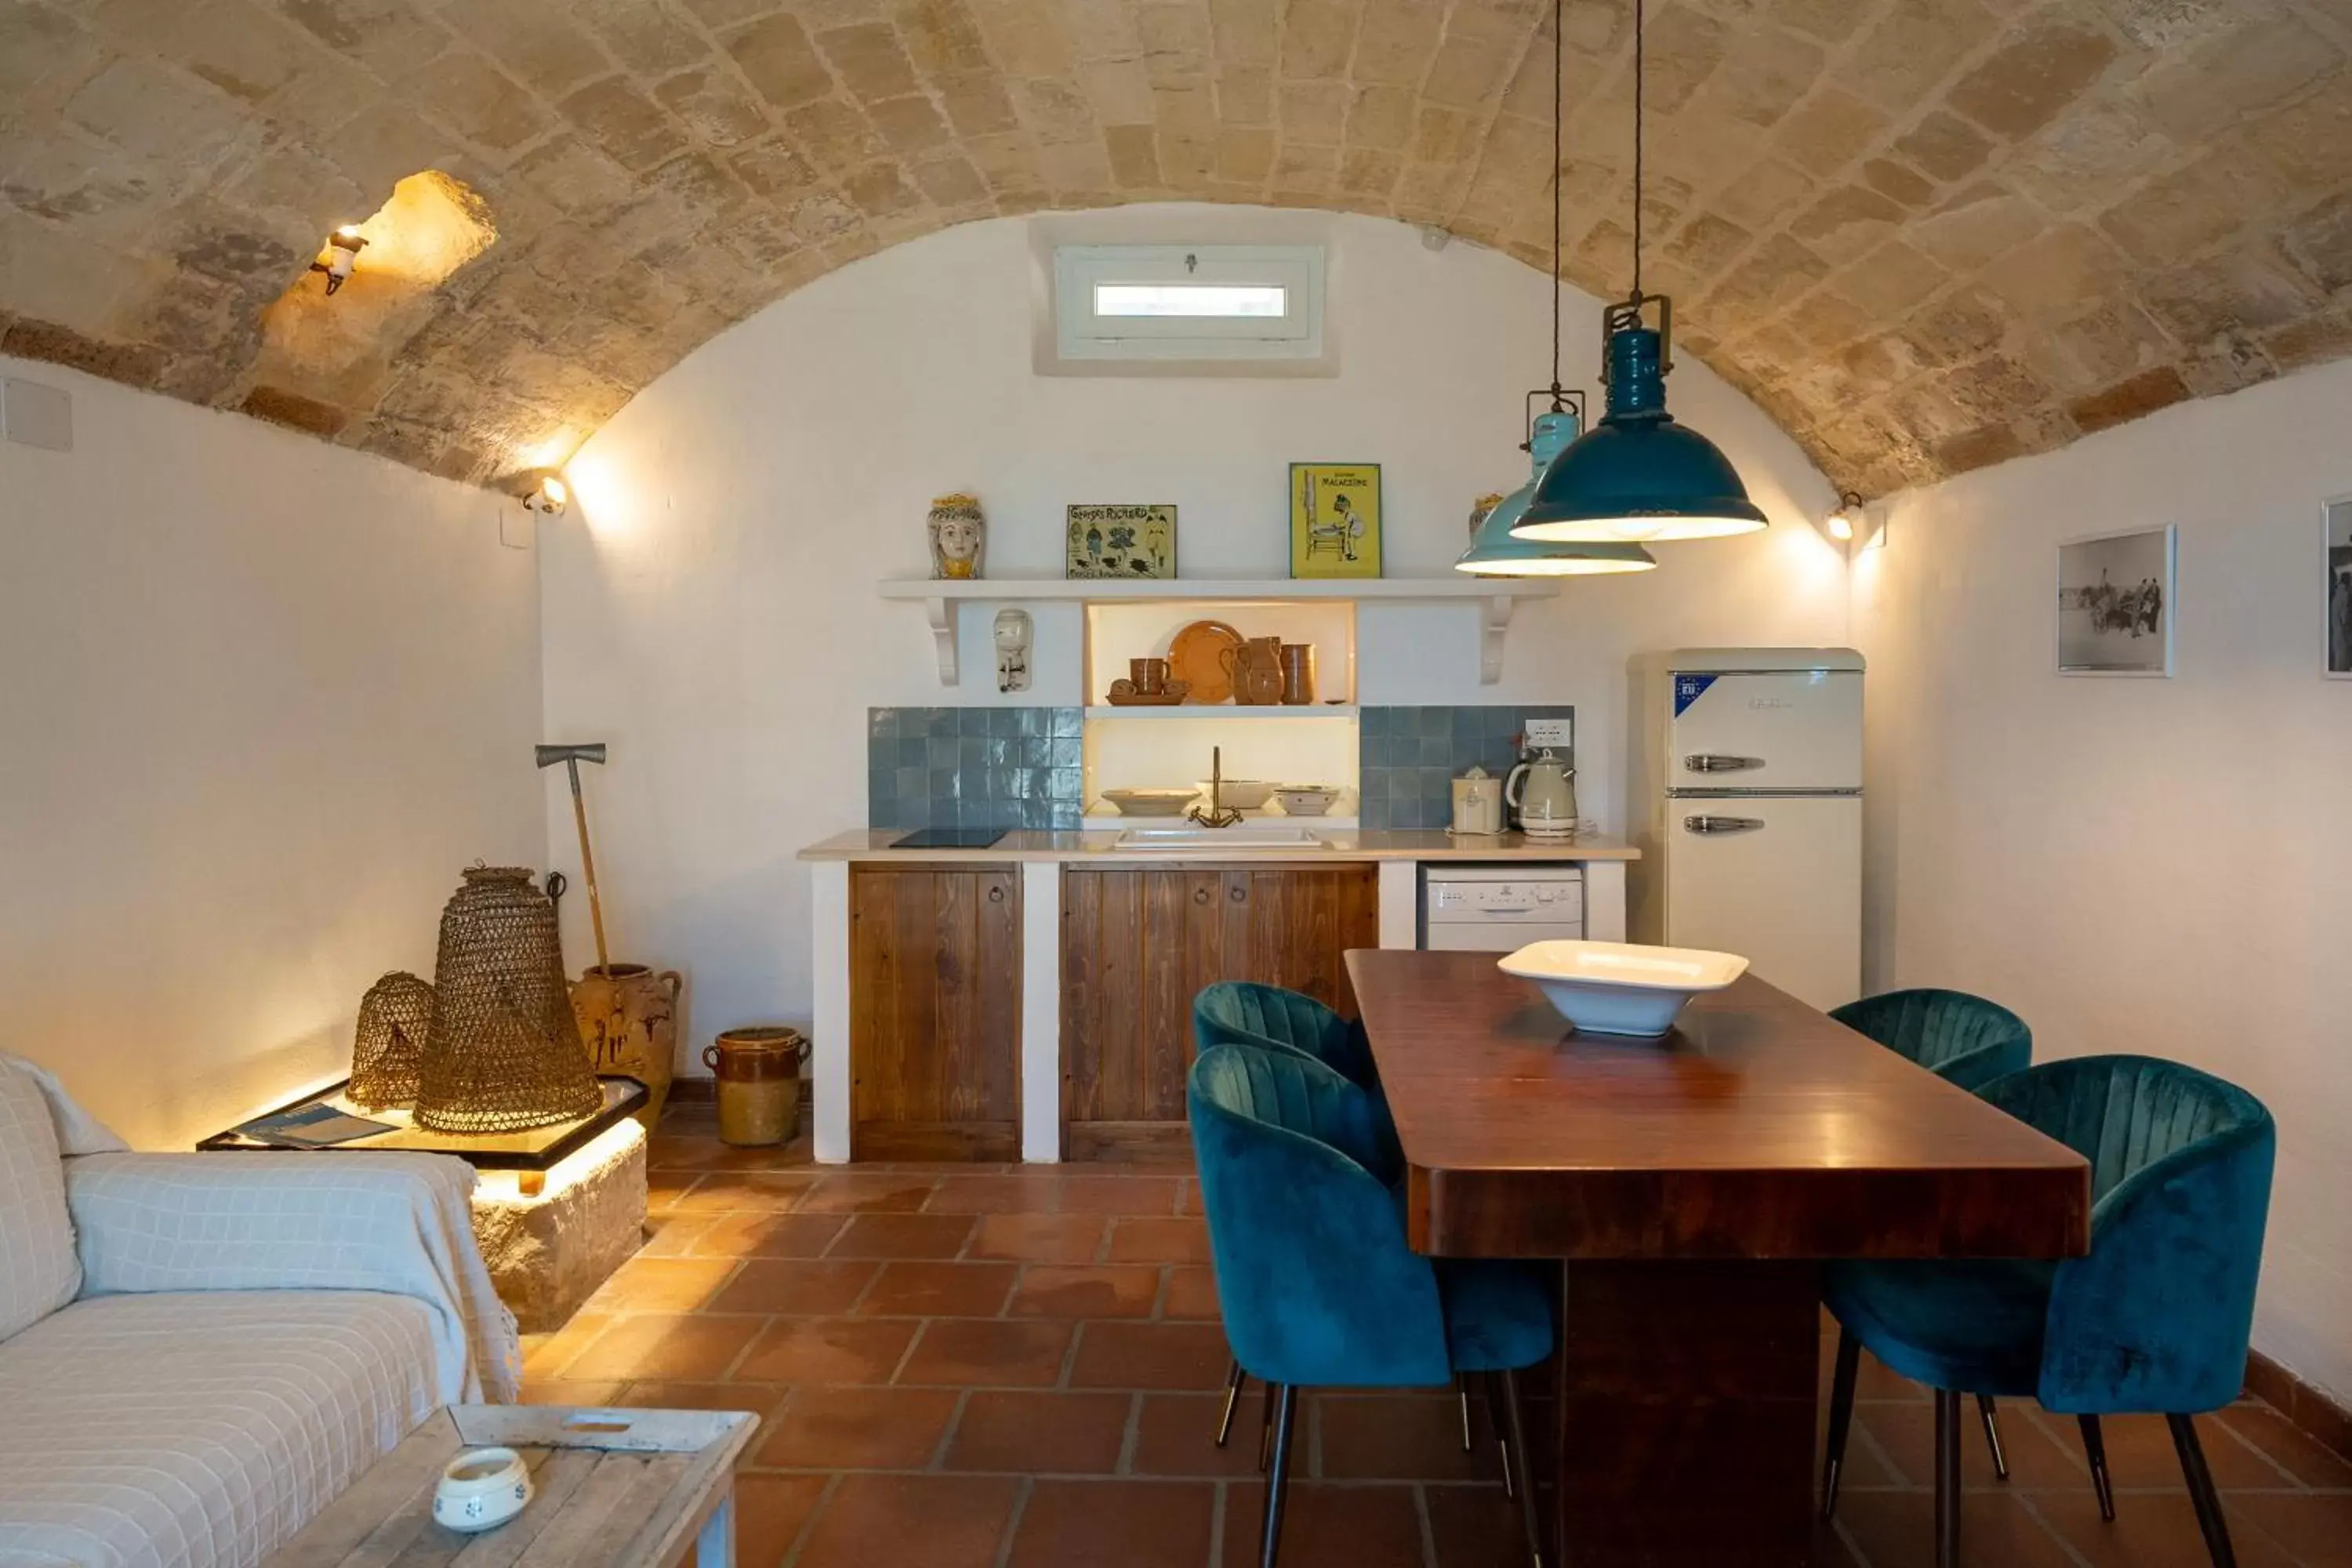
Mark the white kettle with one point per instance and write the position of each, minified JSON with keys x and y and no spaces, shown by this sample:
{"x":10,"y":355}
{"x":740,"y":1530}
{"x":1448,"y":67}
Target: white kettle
{"x":1543,"y":789}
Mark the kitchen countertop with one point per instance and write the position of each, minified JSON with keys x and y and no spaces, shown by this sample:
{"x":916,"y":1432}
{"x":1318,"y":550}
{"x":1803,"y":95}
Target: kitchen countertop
{"x":1350,"y":844}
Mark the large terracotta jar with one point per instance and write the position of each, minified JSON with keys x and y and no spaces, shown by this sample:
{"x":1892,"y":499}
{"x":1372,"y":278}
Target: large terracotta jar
{"x":628,"y":1021}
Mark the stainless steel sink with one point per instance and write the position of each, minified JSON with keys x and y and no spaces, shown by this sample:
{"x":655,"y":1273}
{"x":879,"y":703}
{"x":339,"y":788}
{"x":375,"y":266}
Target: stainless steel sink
{"x":1172,"y":841}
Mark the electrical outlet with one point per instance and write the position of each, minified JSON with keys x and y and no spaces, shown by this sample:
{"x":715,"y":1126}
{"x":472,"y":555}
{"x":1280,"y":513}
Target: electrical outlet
{"x":1551,"y":731}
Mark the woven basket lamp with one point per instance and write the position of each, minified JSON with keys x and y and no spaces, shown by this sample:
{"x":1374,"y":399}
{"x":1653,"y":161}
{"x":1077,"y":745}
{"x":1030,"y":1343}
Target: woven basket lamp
{"x":395,"y":1019}
{"x":504,"y":1053}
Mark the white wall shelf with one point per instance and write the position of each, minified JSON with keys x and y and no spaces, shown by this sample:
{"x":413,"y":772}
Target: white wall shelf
{"x":1495,"y":598}
{"x":1229,"y":710}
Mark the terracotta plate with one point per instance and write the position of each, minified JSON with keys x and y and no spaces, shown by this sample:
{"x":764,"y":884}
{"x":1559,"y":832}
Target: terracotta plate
{"x":1197,"y":657}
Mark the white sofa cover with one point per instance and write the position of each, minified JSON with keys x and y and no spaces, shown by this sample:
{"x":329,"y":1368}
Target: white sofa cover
{"x":251,"y":1332}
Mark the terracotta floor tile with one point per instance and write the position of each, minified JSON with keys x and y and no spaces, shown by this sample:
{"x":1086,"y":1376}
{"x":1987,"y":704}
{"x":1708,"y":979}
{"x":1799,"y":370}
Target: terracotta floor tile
{"x":920,"y":1288}
{"x":828,"y":1350}
{"x":1377,"y":1437}
{"x":863,"y":1192}
{"x":763,"y":1190}
{"x":665,"y":1345}
{"x":673,"y":1234}
{"x":1039,"y":1237}
{"x":678,"y":1150}
{"x":1175,"y":1436}
{"x":1052,"y":1191}
{"x":664,"y":1188}
{"x":771,"y":1512}
{"x":1134,"y":1525}
{"x":2315,"y":1528}
{"x":1190,"y":1292}
{"x":917,"y":1521}
{"x":1149,"y":1355}
{"x":1474,"y":1527}
{"x":1040,"y":1434}
{"x":646,"y":1284}
{"x":1328,"y":1526}
{"x":1086,"y":1291}
{"x":831,"y":1428}
{"x":2140,"y":1454}
{"x":761,"y":1399}
{"x":819,"y":1287}
{"x":2044,"y":1452}
{"x":1897,"y":1529}
{"x":545,"y":1354}
{"x":1188,"y":1197}
{"x":2151,"y":1530}
{"x":982,"y":1352}
{"x":2286,"y":1445}
{"x":768,"y":1234}
{"x":1183,"y":1240}
{"x":903,"y":1236}
{"x":571,"y":1390}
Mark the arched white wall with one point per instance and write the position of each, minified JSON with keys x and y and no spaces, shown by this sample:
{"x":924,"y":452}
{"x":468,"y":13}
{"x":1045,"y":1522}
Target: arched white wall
{"x":709,"y":607}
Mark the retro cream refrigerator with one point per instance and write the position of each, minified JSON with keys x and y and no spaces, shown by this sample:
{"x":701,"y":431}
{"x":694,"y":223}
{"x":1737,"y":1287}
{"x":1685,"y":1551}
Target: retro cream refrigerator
{"x":1746,"y":802}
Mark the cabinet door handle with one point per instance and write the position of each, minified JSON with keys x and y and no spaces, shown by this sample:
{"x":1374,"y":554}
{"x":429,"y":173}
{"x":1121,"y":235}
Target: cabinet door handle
{"x":995,"y":895}
{"x":1238,"y":893}
{"x":1200,"y":895}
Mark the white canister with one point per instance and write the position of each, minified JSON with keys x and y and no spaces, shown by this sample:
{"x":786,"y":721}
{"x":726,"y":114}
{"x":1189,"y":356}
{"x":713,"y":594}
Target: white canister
{"x":1478,"y":801}
{"x":481,"y":1488}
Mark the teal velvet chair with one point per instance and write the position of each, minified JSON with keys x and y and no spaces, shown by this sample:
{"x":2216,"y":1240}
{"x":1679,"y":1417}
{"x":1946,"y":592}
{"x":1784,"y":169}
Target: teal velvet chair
{"x":1245,"y":1013}
{"x":1315,"y":1280}
{"x":1965,"y":1040}
{"x":2155,"y":1320}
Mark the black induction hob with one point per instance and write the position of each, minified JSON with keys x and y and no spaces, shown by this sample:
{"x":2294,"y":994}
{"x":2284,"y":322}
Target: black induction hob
{"x":949,"y":838}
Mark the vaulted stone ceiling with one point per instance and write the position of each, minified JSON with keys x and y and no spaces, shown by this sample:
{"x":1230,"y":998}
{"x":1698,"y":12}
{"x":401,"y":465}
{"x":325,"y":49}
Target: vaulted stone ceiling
{"x":1927,"y":235}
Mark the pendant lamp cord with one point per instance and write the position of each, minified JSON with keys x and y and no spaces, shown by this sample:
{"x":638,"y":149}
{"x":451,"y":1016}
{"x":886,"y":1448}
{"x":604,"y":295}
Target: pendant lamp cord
{"x":1558,"y":402}
{"x":1638,"y":74}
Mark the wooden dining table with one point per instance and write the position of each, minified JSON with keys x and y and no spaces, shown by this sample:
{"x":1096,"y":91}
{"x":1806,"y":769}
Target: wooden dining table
{"x":1694,"y":1183}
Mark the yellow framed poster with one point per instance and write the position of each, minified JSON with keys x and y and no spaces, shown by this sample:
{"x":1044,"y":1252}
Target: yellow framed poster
{"x":1335,"y":520}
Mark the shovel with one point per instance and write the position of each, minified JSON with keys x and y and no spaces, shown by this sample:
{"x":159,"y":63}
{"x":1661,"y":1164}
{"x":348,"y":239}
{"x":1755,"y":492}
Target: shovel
{"x":572,"y":757}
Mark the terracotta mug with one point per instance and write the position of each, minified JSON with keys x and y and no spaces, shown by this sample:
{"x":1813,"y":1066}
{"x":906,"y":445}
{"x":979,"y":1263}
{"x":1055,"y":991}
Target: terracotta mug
{"x":1297,"y":672}
{"x":1149,"y":675}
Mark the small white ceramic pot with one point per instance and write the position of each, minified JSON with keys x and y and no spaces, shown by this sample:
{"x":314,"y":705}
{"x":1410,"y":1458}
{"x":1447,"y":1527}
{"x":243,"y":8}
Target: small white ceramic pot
{"x":481,"y":1488}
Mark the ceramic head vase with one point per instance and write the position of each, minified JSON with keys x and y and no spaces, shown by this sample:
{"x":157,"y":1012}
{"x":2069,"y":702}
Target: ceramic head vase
{"x":959,"y":536}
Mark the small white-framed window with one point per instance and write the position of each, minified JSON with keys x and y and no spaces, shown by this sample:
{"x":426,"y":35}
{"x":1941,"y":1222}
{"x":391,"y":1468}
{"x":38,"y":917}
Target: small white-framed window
{"x":1188,"y":302}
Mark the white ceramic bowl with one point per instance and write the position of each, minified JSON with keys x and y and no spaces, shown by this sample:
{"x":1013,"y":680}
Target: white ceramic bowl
{"x":1241,"y":795}
{"x":1149,"y":802}
{"x":1621,"y":988}
{"x":481,"y":1488}
{"x":1306,"y":800}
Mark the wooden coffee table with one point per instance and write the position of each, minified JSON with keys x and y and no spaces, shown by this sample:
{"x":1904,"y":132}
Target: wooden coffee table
{"x":615,"y":1488}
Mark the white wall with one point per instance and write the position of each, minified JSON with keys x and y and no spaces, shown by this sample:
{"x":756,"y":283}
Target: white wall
{"x":262,"y":699}
{"x":2136,"y":865}
{"x":709,"y":605}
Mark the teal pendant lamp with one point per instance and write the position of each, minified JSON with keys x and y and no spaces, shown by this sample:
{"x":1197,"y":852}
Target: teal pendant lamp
{"x":1496,"y":551}
{"x":1638,"y":476}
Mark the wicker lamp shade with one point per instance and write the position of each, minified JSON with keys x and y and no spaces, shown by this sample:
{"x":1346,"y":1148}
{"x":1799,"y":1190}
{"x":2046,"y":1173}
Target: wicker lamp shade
{"x":395,"y":1019}
{"x":504,"y":1053}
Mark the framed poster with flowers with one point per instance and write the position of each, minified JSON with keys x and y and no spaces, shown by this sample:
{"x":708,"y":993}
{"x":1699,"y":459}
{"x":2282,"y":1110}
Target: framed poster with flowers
{"x":1132,"y":542}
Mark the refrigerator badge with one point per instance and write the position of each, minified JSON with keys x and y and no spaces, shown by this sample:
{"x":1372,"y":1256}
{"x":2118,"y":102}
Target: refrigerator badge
{"x":1689,"y":689}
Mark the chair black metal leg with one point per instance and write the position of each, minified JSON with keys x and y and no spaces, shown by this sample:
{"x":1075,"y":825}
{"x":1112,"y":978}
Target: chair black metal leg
{"x":2210,"y":1518}
{"x":1514,"y":1442}
{"x":1277,"y":1479}
{"x":1947,"y":1479}
{"x":1235,"y":1378}
{"x":1849,"y":1362}
{"x":2095,"y":1449}
{"x":1462,"y":1395}
{"x":1491,"y":1386}
{"x":1265,"y":1428}
{"x":1992,"y":1436}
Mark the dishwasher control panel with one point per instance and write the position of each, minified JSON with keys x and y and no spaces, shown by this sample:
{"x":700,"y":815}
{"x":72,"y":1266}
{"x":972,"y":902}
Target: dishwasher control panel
{"x":1550,"y":899}
{"x":1499,"y":908}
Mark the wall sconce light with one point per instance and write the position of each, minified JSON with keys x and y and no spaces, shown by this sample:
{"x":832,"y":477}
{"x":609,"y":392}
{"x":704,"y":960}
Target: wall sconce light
{"x":343,"y":247}
{"x":546,"y":493}
{"x":1845,"y":524}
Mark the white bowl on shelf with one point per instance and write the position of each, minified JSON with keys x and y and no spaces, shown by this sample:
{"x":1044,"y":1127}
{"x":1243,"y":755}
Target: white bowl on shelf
{"x":1306,"y":800}
{"x":1618,"y":987}
{"x":1149,"y":802}
{"x":1241,"y":795}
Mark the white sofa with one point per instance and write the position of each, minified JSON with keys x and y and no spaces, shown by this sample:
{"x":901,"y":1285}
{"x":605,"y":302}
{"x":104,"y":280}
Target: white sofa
{"x":199,"y":1352}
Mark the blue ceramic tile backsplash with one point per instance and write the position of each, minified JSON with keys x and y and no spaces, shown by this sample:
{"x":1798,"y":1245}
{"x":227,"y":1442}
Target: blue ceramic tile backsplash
{"x":1407,"y":758}
{"x":972,"y":767}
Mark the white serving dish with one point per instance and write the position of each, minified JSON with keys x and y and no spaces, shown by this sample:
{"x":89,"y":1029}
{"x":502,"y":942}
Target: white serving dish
{"x":1306,"y":800}
{"x":1618,"y":987}
{"x":1149,"y":802}
{"x":1241,"y":795}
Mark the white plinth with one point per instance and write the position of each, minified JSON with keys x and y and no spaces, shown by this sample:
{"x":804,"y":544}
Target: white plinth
{"x":549,"y":1249}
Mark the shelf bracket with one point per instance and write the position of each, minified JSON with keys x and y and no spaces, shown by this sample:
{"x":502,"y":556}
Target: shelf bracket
{"x":941,"y":613}
{"x":1495,"y":620}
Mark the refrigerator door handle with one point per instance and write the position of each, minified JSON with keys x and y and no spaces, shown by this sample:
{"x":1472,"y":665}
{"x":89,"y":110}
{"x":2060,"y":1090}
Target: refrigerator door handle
{"x":1722,"y":823}
{"x":1716,"y":763}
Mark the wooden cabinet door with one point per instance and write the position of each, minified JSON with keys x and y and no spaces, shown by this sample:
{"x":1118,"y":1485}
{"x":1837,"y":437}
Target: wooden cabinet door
{"x":935,"y":1012}
{"x":1139,"y":945}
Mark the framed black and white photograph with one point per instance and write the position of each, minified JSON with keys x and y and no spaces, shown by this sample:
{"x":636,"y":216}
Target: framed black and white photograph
{"x":2336,"y":520}
{"x":2115,"y":604}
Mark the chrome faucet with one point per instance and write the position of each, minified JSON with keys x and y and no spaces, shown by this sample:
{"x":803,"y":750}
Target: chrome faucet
{"x":1219,"y":813}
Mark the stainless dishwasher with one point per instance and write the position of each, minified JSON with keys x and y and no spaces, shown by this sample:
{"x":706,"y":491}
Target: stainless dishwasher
{"x":1499,"y":909}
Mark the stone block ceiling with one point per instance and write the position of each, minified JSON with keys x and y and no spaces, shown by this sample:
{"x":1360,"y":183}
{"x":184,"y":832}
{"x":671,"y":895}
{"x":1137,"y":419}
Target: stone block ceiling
{"x":1926,"y":234}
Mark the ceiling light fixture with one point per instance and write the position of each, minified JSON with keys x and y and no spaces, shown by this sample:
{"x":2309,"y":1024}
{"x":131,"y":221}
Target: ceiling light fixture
{"x":1497,"y":549}
{"x":547,"y":493}
{"x":341,"y":255}
{"x":1639,"y":476}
